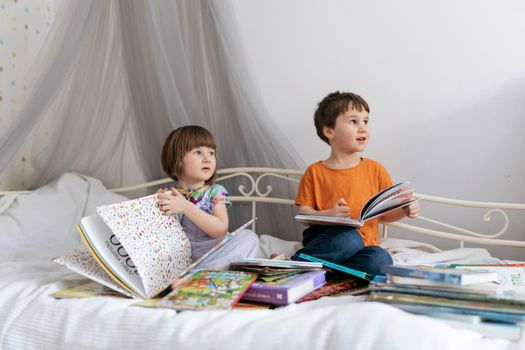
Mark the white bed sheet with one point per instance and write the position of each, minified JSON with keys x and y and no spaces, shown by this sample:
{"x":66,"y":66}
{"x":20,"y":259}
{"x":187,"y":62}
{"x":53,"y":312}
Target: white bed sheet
{"x":31,"y":319}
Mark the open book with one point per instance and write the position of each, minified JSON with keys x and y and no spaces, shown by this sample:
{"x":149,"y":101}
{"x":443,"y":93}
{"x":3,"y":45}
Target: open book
{"x":133,"y":248}
{"x":396,"y":196}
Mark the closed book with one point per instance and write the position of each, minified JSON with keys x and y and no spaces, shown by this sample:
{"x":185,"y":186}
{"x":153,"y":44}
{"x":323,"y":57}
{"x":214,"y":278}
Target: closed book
{"x":287,"y":290}
{"x":448,"y":276}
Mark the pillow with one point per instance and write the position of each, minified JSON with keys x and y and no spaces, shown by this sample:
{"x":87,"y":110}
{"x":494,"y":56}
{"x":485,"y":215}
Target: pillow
{"x":41,"y":224}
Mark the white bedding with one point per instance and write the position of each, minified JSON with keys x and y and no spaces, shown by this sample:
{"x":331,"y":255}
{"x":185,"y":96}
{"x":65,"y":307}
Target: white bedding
{"x":35,"y":227}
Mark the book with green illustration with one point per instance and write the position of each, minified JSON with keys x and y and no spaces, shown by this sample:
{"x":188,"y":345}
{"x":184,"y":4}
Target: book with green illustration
{"x":206,"y":290}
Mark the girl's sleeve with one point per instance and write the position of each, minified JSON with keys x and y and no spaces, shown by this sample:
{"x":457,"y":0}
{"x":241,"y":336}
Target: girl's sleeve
{"x":219,"y":195}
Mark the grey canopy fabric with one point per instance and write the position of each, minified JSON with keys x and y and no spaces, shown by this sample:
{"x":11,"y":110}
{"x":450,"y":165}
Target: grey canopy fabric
{"x":121,"y":74}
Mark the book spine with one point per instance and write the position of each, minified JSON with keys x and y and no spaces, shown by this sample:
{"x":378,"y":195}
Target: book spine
{"x":265,"y":295}
{"x":428,"y":275}
{"x":283,"y":295}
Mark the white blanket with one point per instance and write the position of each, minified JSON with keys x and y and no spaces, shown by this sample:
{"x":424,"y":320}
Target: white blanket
{"x":35,"y":227}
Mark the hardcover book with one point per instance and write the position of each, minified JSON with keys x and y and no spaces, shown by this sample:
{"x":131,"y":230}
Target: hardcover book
{"x":511,"y":277}
{"x":449,"y":276}
{"x":396,"y":196}
{"x":334,"y":287}
{"x":133,"y":248}
{"x":286,"y":290}
{"x":206,"y":290}
{"x":337,"y":267}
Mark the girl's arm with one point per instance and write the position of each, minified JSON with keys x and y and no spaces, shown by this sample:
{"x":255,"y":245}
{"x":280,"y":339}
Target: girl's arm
{"x":214,"y":224}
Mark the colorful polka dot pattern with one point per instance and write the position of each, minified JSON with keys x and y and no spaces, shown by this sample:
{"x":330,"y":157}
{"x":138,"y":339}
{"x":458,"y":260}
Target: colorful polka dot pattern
{"x":155,"y":242}
{"x":23,"y":28}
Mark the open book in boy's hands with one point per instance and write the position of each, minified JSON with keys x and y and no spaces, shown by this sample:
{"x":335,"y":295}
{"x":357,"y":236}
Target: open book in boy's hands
{"x":396,"y":196}
{"x":134,"y":249}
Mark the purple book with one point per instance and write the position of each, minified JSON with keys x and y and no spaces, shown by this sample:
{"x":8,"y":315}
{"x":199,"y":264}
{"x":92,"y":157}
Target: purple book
{"x":286,"y":290}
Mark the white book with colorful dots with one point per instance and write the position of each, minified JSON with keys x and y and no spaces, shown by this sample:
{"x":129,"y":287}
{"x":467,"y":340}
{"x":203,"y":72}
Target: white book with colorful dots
{"x":133,"y":248}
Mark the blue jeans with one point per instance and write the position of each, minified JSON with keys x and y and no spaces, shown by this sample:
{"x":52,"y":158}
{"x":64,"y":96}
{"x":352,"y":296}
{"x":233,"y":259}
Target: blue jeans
{"x":343,"y":245}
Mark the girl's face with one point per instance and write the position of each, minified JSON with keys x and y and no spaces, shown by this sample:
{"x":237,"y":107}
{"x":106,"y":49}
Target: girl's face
{"x":198,"y":166}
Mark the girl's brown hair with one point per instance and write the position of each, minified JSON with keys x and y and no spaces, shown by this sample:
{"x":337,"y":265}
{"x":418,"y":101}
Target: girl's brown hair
{"x":179,"y":142}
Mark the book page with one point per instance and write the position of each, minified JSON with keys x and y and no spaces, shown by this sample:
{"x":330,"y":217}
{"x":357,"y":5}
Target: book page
{"x":156,"y":243}
{"x":397,"y":200}
{"x":84,"y":264}
{"x":110,"y":253}
{"x":384,"y":195}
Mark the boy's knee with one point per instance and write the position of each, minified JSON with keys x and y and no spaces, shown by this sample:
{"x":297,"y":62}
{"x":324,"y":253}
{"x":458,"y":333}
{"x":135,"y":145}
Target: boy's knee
{"x":380,"y":256}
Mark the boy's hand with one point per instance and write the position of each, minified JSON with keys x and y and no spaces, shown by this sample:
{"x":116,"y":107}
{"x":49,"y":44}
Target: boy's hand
{"x":412,"y":210}
{"x":173,"y":203}
{"x":341,"y":208}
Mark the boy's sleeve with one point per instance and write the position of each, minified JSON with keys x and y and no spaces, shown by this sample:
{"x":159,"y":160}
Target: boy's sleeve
{"x":385,"y":180}
{"x":306,"y":190}
{"x":219,"y":195}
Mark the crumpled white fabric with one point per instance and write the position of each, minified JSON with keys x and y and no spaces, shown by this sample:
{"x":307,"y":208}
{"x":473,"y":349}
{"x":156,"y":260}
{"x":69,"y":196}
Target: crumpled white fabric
{"x":404,"y":252}
{"x":41,"y":224}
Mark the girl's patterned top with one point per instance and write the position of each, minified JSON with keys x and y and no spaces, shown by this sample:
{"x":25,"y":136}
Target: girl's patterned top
{"x":204,"y":198}
{"x":207,"y":196}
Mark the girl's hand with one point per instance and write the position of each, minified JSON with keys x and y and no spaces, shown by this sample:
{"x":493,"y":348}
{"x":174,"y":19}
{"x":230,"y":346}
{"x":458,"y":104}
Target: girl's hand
{"x":340,"y":209}
{"x":173,"y":203}
{"x":412,"y":210}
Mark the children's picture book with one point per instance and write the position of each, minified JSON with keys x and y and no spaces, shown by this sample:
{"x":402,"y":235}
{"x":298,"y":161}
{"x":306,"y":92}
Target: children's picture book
{"x":133,"y":248}
{"x":335,"y":287}
{"x":337,"y":267}
{"x":285,"y":290}
{"x":396,"y":196}
{"x":471,"y":293}
{"x":435,"y":274}
{"x":86,"y":290}
{"x":507,"y":311}
{"x":206,"y":290}
{"x":489,"y":287}
{"x":285,"y":264}
{"x":511,"y":277}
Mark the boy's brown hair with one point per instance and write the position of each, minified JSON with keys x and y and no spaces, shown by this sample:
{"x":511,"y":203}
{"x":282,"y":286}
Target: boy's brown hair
{"x":332,"y":106}
{"x":179,"y":142}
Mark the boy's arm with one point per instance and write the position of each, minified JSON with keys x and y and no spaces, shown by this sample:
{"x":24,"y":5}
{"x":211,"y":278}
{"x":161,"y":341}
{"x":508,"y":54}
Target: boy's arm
{"x":411,"y":211}
{"x":339,"y":209}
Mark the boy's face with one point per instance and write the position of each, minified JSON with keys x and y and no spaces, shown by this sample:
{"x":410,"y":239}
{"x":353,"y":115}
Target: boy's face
{"x":350,"y":132}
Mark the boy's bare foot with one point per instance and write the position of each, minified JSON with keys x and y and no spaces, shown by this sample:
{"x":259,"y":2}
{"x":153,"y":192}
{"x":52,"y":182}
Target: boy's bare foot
{"x":277,"y":256}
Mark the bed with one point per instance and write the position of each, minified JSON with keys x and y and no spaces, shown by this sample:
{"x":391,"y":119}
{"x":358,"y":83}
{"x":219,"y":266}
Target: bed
{"x":39,"y":225}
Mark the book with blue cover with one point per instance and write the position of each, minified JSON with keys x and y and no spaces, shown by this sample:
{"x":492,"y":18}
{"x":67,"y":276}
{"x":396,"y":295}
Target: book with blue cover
{"x":442,"y":275}
{"x":337,"y":267}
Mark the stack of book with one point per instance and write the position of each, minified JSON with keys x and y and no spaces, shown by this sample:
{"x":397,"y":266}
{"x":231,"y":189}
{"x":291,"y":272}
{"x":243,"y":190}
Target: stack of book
{"x":486,"y":298}
{"x":280,"y":282}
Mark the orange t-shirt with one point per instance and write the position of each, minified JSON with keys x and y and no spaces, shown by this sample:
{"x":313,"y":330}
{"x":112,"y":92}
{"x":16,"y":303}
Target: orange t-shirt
{"x":321,"y":187}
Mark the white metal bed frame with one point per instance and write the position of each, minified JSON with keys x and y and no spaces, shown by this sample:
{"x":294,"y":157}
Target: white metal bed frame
{"x":254,"y":194}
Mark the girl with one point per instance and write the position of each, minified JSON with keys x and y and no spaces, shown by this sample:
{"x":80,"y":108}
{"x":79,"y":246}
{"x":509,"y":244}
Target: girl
{"x":188,"y":157}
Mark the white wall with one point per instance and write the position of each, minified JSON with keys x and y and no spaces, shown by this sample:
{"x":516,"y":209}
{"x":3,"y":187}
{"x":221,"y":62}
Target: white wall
{"x":445,"y":81}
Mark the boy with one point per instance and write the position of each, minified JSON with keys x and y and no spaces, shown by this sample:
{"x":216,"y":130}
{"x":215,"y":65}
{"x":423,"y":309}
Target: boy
{"x":340,"y":186}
